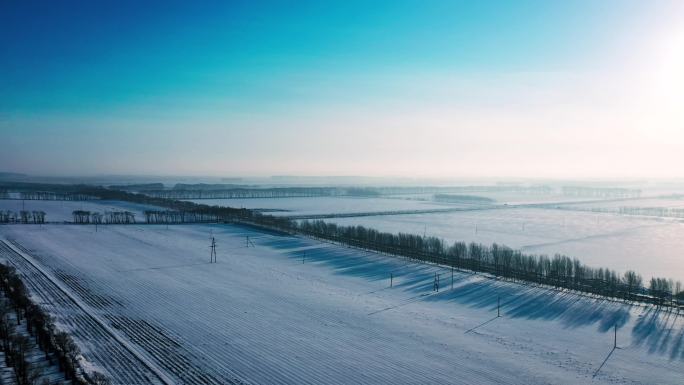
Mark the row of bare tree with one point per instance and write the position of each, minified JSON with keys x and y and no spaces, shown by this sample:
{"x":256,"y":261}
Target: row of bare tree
{"x":53,"y":196}
{"x":41,"y":327}
{"x":109,"y":217}
{"x":559,"y":270}
{"x":601,"y":192}
{"x":23,"y":216}
{"x":232,"y":193}
{"x":653,"y":211}
{"x":174,"y":216}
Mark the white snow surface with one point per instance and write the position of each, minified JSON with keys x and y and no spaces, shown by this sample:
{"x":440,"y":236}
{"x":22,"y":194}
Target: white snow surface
{"x":293,"y":310}
{"x":326,"y":205}
{"x":650,"y":246}
{"x":614,"y":205}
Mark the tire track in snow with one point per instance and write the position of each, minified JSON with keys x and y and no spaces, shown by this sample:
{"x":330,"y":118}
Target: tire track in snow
{"x":109,"y":352}
{"x":177,"y":361}
{"x":224,"y":332}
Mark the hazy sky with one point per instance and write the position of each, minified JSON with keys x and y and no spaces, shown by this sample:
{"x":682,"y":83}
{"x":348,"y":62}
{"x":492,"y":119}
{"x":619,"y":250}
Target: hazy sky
{"x":382,"y":88}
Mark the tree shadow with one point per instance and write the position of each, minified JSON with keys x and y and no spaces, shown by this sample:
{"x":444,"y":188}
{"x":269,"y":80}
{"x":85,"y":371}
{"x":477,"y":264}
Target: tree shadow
{"x":531,"y":302}
{"x":656,"y":329}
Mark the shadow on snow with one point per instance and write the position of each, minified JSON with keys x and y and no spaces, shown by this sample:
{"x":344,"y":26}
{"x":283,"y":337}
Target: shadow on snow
{"x":656,"y":329}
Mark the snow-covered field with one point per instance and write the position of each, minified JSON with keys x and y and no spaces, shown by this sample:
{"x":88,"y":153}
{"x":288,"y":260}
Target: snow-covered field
{"x":296,"y":311}
{"x":651,"y":246}
{"x":672,"y":203}
{"x":325,"y":205}
{"x":648,"y":245}
{"x":60,"y":211}
{"x":514,"y":198}
{"x":399,"y":202}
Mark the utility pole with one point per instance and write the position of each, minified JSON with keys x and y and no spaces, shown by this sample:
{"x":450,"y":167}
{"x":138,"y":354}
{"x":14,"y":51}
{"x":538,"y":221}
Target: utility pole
{"x":213,"y":251}
{"x":498,"y":306}
{"x":391,"y":279}
{"x":615,"y":340}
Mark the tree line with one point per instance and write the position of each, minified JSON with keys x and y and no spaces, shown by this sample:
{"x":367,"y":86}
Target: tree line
{"x":83,"y":217}
{"x":557,"y":271}
{"x":219,"y":192}
{"x":511,"y":188}
{"x":209,"y":186}
{"x":52,"y":196}
{"x":276,"y":192}
{"x":138,"y":187}
{"x":600,"y":192}
{"x":174,"y":216}
{"x":653,"y":211}
{"x":41,"y":328}
{"x":452,"y":198}
{"x":222,"y":213}
{"x":42,"y":191}
{"x":23,"y":216}
{"x":110,"y":217}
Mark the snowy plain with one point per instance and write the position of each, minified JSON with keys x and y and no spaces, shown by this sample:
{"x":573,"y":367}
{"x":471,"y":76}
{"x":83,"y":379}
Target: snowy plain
{"x":326,"y":205}
{"x":292,"y":310}
{"x":663,"y":202}
{"x":650,"y":246}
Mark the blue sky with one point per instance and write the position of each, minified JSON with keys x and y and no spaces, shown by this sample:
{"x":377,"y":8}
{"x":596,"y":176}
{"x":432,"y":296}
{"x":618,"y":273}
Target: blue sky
{"x":237,"y":88}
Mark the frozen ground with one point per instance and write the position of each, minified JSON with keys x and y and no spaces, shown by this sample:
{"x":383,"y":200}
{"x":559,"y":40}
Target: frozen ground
{"x":651,"y":246}
{"x":60,"y":211}
{"x":665,"y":202}
{"x":325,"y":205}
{"x":521,"y":198}
{"x":295,"y":311}
{"x":399,"y":202}
{"x":510,"y":198}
